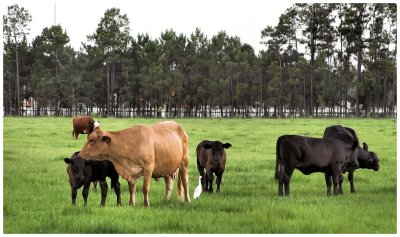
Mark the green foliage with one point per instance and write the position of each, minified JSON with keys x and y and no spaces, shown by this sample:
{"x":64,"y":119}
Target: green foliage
{"x":15,"y":28}
{"x":307,"y":66}
{"x":36,"y":192}
{"x":15,"y":23}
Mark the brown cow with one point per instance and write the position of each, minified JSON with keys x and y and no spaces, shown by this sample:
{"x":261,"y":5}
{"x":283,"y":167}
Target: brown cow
{"x":151,"y":151}
{"x":82,"y":125}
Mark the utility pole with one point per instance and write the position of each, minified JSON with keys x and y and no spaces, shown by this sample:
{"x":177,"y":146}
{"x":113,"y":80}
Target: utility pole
{"x":55,"y":14}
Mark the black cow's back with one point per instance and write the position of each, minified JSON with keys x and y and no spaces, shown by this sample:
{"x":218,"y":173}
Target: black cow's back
{"x":346,"y":135}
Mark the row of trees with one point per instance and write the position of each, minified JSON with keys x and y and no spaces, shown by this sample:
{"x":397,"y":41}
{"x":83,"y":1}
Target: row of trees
{"x":320,"y":60}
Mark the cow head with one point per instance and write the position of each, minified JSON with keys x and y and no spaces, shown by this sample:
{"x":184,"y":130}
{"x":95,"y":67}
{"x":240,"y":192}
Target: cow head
{"x":77,"y":169}
{"x":96,"y":146}
{"x":96,"y":124}
{"x":217,"y":149}
{"x":370,"y":159}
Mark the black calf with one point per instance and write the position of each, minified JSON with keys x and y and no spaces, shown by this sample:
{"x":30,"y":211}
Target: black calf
{"x":82,"y":172}
{"x":211,"y":156}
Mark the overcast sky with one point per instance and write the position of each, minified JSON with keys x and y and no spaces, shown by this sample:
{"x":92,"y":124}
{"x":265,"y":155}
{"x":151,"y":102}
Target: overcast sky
{"x":245,"y":19}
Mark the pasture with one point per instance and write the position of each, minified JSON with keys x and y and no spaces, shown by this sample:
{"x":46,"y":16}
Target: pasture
{"x":37,"y":199}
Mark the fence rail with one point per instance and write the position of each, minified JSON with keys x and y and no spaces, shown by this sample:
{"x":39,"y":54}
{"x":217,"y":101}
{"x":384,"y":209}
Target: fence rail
{"x":225,"y":112}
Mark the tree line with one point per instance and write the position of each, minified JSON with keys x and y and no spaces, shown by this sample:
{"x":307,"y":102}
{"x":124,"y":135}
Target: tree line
{"x":319,"y":60}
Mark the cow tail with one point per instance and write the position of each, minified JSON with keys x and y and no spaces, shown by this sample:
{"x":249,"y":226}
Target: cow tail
{"x":180,"y":186}
{"x":278,"y":156}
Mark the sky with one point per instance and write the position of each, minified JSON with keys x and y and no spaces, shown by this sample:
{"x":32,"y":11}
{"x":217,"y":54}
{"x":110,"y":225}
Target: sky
{"x":245,"y":18}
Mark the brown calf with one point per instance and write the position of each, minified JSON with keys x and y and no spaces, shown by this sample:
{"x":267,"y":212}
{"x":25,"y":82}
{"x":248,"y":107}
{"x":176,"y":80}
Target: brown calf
{"x":211,"y":156}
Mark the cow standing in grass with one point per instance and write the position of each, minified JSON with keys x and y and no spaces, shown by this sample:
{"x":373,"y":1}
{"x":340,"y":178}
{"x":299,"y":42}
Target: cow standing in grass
{"x":153,"y":151}
{"x":82,"y":172}
{"x":366,"y":159}
{"x":82,"y":125}
{"x":310,"y":155}
{"x":211,"y":156}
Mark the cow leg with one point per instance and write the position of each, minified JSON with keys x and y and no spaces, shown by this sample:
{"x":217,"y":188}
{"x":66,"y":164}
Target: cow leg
{"x":73,"y":195}
{"x":104,"y":191}
{"x":184,"y":176}
{"x":280,"y":179}
{"x":85,"y":192}
{"x":209,"y":181}
{"x":337,"y":179}
{"x":206,"y":183}
{"x":340,"y":184}
{"x":328,"y":181}
{"x":74,"y":134}
{"x":203,"y":176}
{"x":286,"y":180}
{"x":117,"y":190}
{"x":169,"y":184}
{"x":183,"y":185}
{"x":180,"y":188}
{"x":132,"y":191}
{"x":351,"y":180}
{"x":146,"y":184}
{"x":219,"y":180}
{"x":285,"y":174}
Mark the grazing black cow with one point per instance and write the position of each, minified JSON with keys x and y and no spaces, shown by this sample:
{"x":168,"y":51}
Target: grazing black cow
{"x":366,"y":159}
{"x":310,"y":155}
{"x":82,"y":172}
{"x":211,"y":156}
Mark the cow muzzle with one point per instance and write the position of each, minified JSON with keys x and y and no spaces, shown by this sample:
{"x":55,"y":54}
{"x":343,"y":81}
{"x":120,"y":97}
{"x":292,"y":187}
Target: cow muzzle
{"x":354,"y":164}
{"x":217,"y":162}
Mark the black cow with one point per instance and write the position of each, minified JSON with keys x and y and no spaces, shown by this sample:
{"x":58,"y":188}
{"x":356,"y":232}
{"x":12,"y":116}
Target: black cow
{"x":310,"y":155}
{"x":82,"y":172}
{"x":211,"y":156}
{"x":366,"y":159}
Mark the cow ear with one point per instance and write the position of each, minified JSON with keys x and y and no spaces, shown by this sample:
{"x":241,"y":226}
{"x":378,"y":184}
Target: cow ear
{"x":365,"y":146}
{"x":67,"y":161}
{"x":207,"y":145}
{"x":106,"y":139}
{"x":227,"y":145}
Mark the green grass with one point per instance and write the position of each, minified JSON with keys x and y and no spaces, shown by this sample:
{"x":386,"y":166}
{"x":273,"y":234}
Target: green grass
{"x":36,"y":192}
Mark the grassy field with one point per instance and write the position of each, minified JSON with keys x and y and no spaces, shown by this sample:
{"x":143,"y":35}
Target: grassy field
{"x":36,"y":192}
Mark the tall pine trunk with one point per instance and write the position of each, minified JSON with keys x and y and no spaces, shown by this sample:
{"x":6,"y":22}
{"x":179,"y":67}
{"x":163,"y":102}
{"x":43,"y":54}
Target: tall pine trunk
{"x":17,"y":95}
{"x":312,"y":60}
{"x":359,"y":61}
{"x":108,"y":90}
